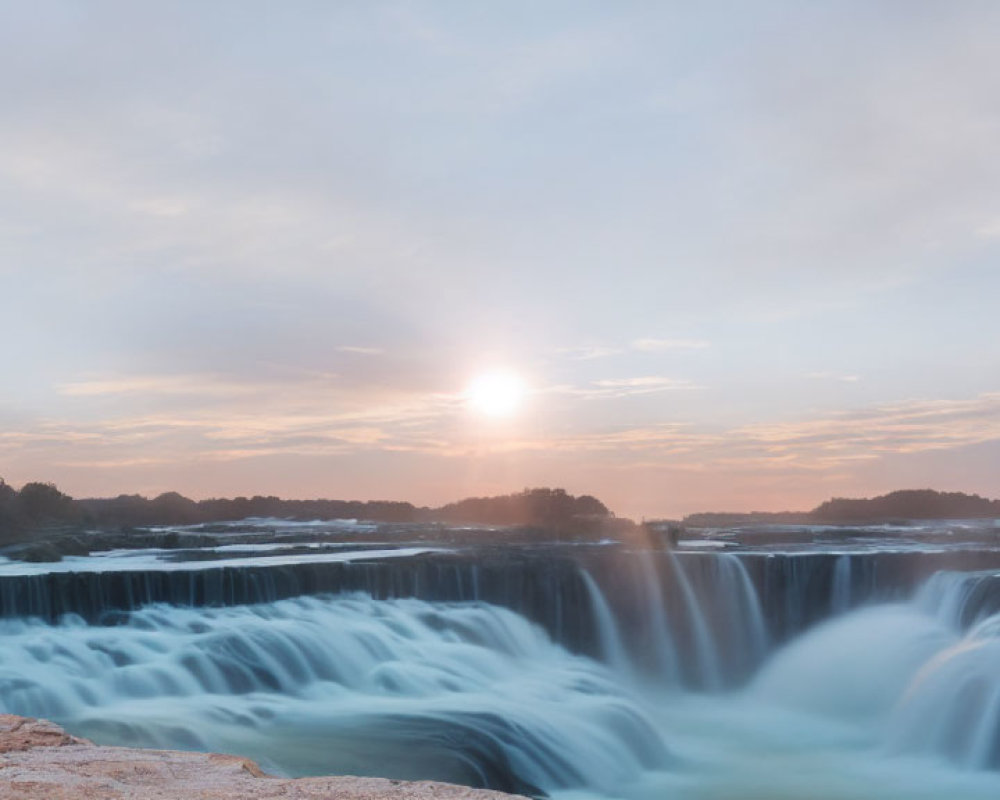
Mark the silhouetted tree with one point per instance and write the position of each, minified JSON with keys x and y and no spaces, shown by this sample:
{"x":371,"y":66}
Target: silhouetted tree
{"x":542,"y":507}
{"x":171,"y":508}
{"x":7,"y":499}
{"x":43,"y":502}
{"x":908,"y":504}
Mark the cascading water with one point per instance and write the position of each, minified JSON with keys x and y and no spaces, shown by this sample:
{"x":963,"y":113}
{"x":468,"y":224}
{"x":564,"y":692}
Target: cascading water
{"x":659,"y":631}
{"x":612,"y":649}
{"x":952,"y":706}
{"x":468,"y":693}
{"x":601,"y":672}
{"x":706,"y":654}
{"x":840,"y":600}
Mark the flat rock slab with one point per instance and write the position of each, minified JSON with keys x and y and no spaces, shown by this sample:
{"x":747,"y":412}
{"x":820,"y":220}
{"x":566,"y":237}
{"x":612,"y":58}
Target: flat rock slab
{"x":40,"y":761}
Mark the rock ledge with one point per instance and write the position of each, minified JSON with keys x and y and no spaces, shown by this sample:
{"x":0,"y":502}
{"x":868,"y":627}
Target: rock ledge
{"x":40,"y":761}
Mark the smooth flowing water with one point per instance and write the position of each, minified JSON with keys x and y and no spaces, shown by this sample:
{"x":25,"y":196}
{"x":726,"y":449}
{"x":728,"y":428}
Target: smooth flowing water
{"x":886,"y":687}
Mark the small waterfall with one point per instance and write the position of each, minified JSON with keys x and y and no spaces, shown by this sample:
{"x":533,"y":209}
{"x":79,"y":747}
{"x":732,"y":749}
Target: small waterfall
{"x":742,"y":608}
{"x":705,"y":652}
{"x":795,"y":591}
{"x":840,"y":599}
{"x":961,"y":599}
{"x":658,"y":625}
{"x":678,"y":622}
{"x":926,"y":672}
{"x":952,"y":706}
{"x":612,"y":648}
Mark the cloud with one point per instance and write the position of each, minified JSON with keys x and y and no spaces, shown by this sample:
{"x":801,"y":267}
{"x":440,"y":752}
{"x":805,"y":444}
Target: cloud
{"x":313,"y":414}
{"x":623,"y":387}
{"x":588,"y":353}
{"x":834,"y":376}
{"x":644,"y":345}
{"x":914,"y":426}
{"x":364,"y":351}
{"x":152,"y":385}
{"x":817,"y":444}
{"x":270,"y":446}
{"x":646,"y":382}
{"x":661,"y":345}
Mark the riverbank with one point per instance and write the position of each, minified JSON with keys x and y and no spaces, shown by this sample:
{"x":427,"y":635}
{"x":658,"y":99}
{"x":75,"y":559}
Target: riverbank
{"x":40,"y":761}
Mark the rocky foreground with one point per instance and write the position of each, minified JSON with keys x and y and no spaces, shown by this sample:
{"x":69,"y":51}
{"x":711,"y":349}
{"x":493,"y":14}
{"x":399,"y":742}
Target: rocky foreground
{"x":40,"y":761}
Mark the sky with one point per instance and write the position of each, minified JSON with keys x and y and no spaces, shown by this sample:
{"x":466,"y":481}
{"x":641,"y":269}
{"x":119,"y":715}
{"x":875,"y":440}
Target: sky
{"x":739,"y":256}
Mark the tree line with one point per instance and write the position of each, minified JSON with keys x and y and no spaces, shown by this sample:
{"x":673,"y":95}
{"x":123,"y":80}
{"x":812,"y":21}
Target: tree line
{"x":905,"y":504}
{"x":34,"y":504}
{"x":40,"y":504}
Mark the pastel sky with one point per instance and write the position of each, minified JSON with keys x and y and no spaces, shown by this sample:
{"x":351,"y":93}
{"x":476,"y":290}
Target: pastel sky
{"x":745,"y":255}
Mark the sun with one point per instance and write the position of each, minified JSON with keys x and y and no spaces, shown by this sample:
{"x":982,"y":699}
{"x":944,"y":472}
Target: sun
{"x":497,"y":394}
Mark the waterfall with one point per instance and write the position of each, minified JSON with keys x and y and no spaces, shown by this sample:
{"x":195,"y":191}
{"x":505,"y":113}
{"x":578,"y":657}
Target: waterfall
{"x":705,"y":652}
{"x":612,"y":648}
{"x":840,"y":600}
{"x":743,"y":609}
{"x":927,"y":672}
{"x":285,"y":681}
{"x":657,"y":623}
{"x":960,"y":599}
{"x":952,"y":706}
{"x":582,"y":673}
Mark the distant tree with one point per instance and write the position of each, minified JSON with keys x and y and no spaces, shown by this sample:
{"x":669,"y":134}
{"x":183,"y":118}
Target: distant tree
{"x":261,"y":506}
{"x":542,"y":507}
{"x":8,"y":497}
{"x":43,"y":502}
{"x":7,"y":494}
{"x":171,"y":508}
{"x":590,"y":506}
{"x":907,"y":504}
{"x":539,"y":507}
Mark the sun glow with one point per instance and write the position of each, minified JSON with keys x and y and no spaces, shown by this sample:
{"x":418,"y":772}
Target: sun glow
{"x":496,"y":394}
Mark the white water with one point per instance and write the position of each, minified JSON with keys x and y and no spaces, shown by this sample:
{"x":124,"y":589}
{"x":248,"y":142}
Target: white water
{"x":165,"y":560}
{"x":663,"y":644}
{"x":952,"y":706}
{"x":841,"y":599}
{"x":888,"y":701}
{"x":338,"y":684}
{"x":612,"y":648}
{"x":706,"y":653}
{"x":744,"y":615}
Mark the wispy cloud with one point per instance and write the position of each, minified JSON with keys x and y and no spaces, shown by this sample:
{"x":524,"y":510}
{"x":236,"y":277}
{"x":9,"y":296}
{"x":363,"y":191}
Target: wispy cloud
{"x":662,"y":345}
{"x":645,"y":384}
{"x":819,"y":444}
{"x":915,"y":426}
{"x":588,"y":353}
{"x":194,"y":384}
{"x":642,"y":345}
{"x":623,"y":387}
{"x":834,"y":376}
